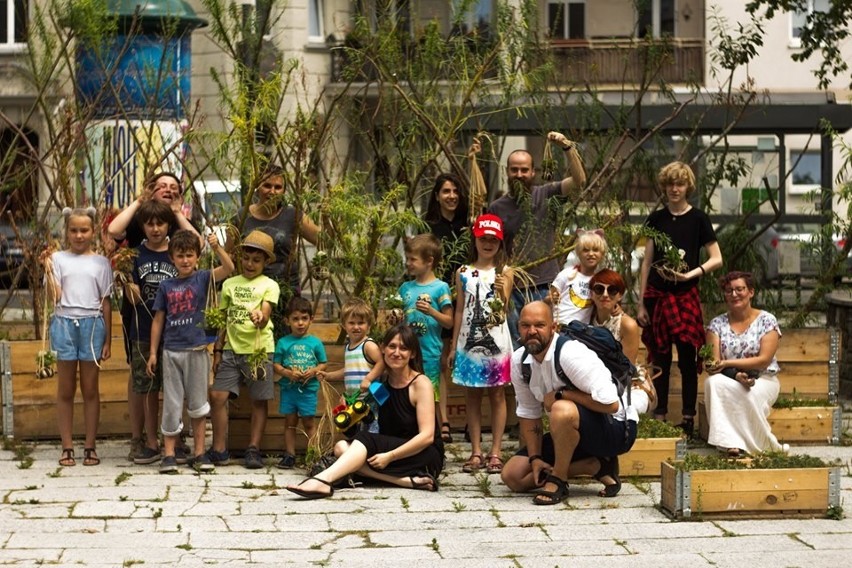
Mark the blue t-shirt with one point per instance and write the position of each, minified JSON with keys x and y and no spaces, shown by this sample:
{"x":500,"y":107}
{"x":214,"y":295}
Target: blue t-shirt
{"x":427,"y":328}
{"x":183,"y":300}
{"x":149,"y":269}
{"x":300,"y":353}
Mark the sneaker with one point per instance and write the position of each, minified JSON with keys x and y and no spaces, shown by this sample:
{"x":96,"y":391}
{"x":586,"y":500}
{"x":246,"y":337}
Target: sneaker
{"x":136,"y":445}
{"x":253,"y":459}
{"x":287,"y":462}
{"x":219,"y":458}
{"x":180,"y":456}
{"x":147,"y":456}
{"x":168,"y":465}
{"x":202,"y":464}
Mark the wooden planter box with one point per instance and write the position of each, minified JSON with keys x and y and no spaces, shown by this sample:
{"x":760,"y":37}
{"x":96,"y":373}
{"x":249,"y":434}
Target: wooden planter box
{"x":748,"y":493}
{"x":29,"y":403}
{"x":797,"y":425}
{"x":646,"y":455}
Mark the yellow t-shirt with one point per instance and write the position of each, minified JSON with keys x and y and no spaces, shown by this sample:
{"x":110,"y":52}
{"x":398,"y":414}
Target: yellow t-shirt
{"x":241,"y":296}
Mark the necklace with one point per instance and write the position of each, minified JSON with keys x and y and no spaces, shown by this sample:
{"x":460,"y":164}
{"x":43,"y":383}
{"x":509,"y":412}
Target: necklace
{"x":676,"y":214}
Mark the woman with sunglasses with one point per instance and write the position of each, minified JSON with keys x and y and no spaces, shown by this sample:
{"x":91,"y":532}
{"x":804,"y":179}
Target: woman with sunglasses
{"x":743,"y":382}
{"x":607,"y":289}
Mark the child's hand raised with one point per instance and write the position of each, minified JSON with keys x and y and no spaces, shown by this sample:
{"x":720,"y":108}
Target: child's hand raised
{"x":212,"y":240}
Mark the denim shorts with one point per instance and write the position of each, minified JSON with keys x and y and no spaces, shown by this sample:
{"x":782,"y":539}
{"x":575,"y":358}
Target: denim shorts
{"x":77,"y":339}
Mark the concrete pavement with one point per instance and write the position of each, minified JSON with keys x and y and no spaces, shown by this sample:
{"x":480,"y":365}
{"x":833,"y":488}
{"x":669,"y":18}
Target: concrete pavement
{"x":120,"y":514}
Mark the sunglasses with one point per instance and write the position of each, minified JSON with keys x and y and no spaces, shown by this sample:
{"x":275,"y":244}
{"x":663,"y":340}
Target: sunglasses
{"x":601,"y":289}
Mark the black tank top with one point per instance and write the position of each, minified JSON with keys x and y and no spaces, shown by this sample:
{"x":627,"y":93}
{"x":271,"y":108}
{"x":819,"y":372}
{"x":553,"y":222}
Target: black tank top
{"x":398,"y":417}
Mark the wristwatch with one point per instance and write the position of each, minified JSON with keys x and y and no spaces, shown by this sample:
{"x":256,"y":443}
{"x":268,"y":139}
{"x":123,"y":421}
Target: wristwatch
{"x":558,"y":394}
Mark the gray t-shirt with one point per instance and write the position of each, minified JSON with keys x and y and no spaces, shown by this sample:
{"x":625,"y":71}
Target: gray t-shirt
{"x":285,"y":269}
{"x":529,"y":231}
{"x":85,"y":280}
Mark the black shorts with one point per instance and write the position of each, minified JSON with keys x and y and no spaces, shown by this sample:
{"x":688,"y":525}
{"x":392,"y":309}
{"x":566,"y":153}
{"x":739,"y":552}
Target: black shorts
{"x":600,"y":436}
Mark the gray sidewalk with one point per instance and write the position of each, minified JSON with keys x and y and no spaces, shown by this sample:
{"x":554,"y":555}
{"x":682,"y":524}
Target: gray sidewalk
{"x":120,"y":514}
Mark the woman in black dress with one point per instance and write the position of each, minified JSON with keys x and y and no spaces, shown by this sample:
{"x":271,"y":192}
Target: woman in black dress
{"x":408,"y":450}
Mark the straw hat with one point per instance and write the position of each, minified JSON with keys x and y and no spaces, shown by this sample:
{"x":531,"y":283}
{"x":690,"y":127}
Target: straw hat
{"x":261,"y":241}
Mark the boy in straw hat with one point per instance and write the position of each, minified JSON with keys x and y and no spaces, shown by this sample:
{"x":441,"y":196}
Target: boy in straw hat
{"x":243,"y":351}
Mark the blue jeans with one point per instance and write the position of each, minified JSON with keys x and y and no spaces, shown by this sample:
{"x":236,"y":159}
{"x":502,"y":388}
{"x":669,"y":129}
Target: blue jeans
{"x":520,"y":298}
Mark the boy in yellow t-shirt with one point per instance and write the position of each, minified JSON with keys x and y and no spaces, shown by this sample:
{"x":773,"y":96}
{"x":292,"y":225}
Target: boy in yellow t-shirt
{"x":248,"y":299}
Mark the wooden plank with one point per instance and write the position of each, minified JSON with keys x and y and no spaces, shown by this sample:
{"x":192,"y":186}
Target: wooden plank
{"x":27,"y":389}
{"x":746,"y":493}
{"x":646,"y":456}
{"x":798,"y":425}
{"x":759,"y":490}
{"x":803,"y":424}
{"x":39,"y":421}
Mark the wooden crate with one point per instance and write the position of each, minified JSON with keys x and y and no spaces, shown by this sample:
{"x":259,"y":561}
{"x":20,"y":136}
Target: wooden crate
{"x":809,"y":361}
{"x":797,"y":425}
{"x":646,"y":455}
{"x":29,"y":403}
{"x":457,"y":408}
{"x":239,"y":409}
{"x":743,"y":493}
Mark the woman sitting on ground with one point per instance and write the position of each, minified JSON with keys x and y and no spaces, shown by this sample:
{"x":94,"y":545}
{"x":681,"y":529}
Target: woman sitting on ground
{"x":408,"y":450}
{"x":607,"y":289}
{"x":743,"y":382}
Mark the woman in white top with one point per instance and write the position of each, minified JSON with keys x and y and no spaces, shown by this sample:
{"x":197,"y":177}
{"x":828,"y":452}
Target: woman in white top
{"x":743,"y":383}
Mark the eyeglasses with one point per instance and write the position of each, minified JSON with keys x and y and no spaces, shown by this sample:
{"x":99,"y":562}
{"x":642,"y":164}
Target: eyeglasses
{"x":601,"y":289}
{"x":739,"y":290}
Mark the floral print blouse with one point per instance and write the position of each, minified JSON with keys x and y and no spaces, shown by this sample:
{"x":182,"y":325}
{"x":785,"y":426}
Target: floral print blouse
{"x":747,"y":344}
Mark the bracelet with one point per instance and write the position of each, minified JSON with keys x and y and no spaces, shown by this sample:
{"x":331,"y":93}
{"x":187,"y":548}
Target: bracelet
{"x":218,"y":350}
{"x":535,"y":457}
{"x":701,"y":268}
{"x":568,"y":147}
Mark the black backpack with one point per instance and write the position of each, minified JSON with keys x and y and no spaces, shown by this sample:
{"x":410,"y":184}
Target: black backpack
{"x":606,"y":347}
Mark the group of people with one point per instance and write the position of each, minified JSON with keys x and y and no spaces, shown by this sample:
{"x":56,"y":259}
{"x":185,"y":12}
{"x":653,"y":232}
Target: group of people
{"x":468,"y":319}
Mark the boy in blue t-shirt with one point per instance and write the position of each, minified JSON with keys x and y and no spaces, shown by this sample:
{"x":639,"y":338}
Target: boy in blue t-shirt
{"x":151,"y":265}
{"x":427,"y":303}
{"x":297,"y":360}
{"x":178,"y":319}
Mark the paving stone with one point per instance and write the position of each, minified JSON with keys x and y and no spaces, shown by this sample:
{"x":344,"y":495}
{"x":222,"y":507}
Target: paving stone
{"x":766,"y":543}
{"x":411,"y":521}
{"x":104,"y":509}
{"x":259,"y":541}
{"x":534,"y":536}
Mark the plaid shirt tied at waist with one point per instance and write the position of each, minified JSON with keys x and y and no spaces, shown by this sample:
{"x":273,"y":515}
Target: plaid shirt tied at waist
{"x":676,"y":317}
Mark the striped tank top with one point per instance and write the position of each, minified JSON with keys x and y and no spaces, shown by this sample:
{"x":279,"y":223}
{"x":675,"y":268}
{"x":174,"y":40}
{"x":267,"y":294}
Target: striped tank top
{"x":356,"y":365}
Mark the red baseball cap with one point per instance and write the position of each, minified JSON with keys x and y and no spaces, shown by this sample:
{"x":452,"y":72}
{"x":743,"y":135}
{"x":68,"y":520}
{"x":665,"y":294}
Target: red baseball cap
{"x":488,"y":225}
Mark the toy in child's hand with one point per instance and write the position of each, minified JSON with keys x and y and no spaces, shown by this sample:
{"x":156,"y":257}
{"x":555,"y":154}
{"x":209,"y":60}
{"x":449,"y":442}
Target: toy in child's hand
{"x":348,"y":415}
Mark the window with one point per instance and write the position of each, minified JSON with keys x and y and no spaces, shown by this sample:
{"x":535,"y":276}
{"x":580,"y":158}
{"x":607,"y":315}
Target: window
{"x":13,"y":22}
{"x":315,"y":27}
{"x":566,"y":19}
{"x":798,"y":20}
{"x":806,"y":174}
{"x":655,"y":18}
{"x":477,"y":18}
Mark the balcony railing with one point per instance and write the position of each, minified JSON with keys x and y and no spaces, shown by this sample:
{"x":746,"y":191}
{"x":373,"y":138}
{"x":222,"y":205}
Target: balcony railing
{"x":628,"y":61}
{"x":597,"y":62}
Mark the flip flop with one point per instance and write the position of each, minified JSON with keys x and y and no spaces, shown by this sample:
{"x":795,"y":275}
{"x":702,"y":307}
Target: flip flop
{"x":305,"y":494}
{"x":553,"y":497}
{"x":431,"y":485}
